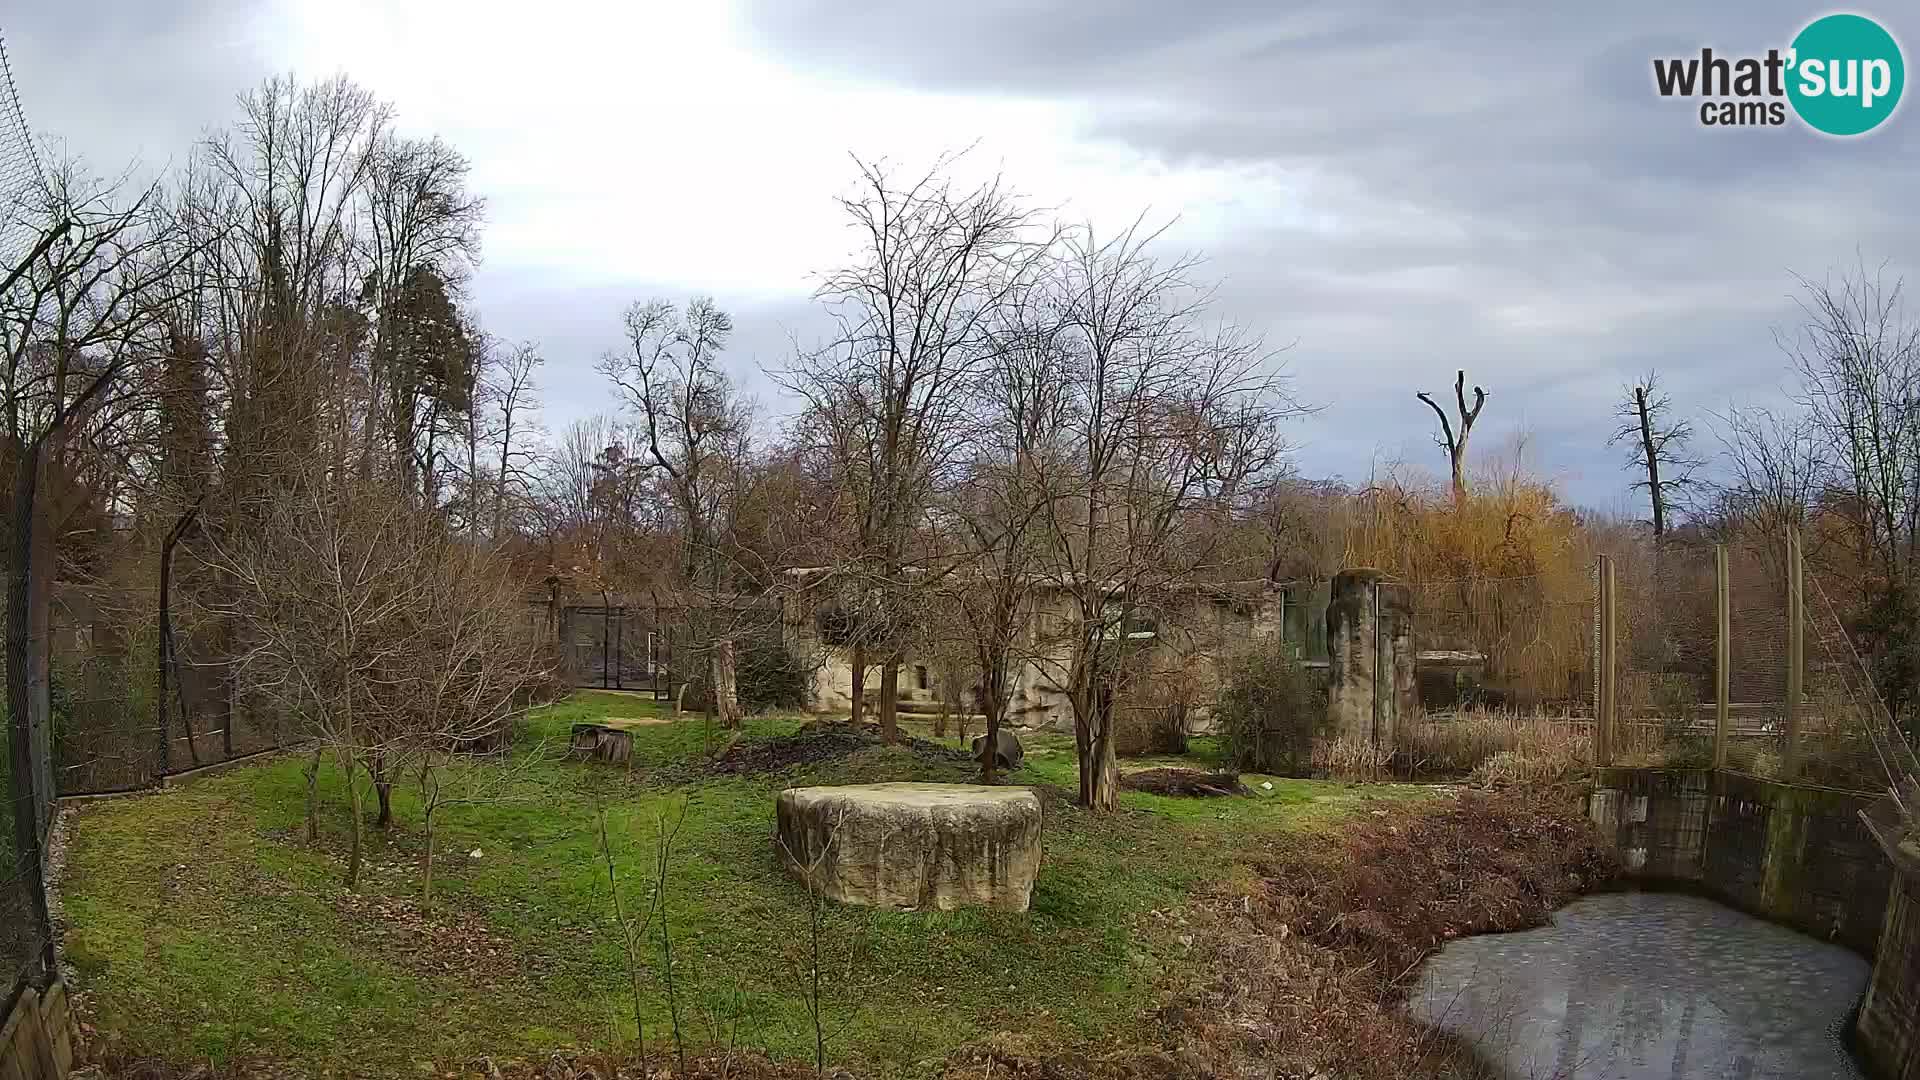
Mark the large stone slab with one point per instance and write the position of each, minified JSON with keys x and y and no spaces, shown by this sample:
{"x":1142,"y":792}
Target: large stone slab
{"x":941,"y":846}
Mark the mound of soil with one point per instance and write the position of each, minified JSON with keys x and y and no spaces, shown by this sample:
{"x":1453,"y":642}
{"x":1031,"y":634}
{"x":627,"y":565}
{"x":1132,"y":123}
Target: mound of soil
{"x":1191,"y":782}
{"x":1310,"y":968}
{"x":817,"y":742}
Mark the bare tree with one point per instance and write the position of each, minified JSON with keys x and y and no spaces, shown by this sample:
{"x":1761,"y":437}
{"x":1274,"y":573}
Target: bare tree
{"x":1456,"y":444}
{"x":1857,"y":356}
{"x":935,"y":265}
{"x":1775,"y":472}
{"x":78,"y":324}
{"x":512,"y":395}
{"x":1845,"y":457}
{"x":373,"y":627}
{"x":695,"y":431}
{"x":1001,"y":502}
{"x":1166,"y":421}
{"x":1657,"y":448}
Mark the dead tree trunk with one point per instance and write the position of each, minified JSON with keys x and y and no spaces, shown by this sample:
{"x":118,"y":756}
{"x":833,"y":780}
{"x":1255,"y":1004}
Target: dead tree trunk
{"x":858,"y":658}
{"x":1456,"y":445}
{"x":890,"y":699}
{"x":724,"y":681}
{"x":1652,"y":452}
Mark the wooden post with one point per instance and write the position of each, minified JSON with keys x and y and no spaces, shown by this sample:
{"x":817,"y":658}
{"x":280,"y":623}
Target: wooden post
{"x":1608,"y":690}
{"x":1722,"y":654}
{"x":1796,"y":649}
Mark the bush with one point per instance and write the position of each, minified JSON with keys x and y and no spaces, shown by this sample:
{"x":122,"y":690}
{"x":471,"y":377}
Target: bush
{"x":769,"y":676}
{"x":1152,"y":713}
{"x":1271,"y":714}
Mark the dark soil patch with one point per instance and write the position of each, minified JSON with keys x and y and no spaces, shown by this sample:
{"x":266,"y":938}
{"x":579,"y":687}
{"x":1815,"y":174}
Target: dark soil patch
{"x":819,"y":742}
{"x":1191,"y":782}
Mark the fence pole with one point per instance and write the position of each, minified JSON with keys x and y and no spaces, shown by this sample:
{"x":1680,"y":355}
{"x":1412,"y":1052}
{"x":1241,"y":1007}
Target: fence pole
{"x":1607,"y":694}
{"x":1722,"y":654}
{"x":1796,"y":648}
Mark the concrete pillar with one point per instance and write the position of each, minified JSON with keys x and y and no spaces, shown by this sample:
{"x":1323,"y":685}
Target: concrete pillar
{"x":1370,"y":644}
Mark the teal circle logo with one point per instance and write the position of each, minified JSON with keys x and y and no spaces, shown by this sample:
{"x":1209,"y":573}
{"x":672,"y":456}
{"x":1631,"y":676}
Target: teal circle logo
{"x":1845,"y":74}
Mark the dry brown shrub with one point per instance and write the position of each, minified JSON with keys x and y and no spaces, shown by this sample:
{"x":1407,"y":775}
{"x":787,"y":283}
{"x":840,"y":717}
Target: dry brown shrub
{"x":1311,"y":968}
{"x":1458,"y":743}
{"x":1357,"y":760}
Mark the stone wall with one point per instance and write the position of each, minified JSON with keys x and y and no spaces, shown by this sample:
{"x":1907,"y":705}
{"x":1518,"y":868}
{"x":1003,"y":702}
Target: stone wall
{"x":1370,"y":657}
{"x":36,"y":1041}
{"x":1799,"y":856}
{"x":1887,"y":1034}
{"x":1802,"y":856}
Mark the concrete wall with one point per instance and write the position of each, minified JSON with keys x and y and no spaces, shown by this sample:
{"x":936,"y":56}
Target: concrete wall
{"x":1802,"y":856}
{"x":1887,"y":1033}
{"x":1370,"y":650}
{"x":1191,"y":637}
{"x":1799,"y":856}
{"x":36,"y":1040}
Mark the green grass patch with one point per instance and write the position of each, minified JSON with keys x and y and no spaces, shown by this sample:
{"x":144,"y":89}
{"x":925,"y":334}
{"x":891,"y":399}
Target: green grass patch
{"x":205,"y":926}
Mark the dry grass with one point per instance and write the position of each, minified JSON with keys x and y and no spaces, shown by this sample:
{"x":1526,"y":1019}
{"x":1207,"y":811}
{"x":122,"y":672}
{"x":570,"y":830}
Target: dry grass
{"x":1511,"y":746}
{"x":1354,"y":760}
{"x":1456,"y":744}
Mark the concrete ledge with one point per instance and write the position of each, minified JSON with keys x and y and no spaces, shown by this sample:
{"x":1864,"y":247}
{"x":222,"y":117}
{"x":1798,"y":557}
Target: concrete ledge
{"x":1885,"y":1035}
{"x":1798,"y":855}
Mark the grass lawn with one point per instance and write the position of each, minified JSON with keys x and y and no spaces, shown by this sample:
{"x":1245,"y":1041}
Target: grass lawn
{"x":204,"y":926}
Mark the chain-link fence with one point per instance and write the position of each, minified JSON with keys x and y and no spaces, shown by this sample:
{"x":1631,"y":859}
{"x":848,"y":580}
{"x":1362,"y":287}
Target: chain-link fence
{"x":21,"y":178}
{"x":1722,"y":656}
{"x":1664,"y":664}
{"x":111,"y":732}
{"x":1796,"y":703}
{"x":1519,"y":643}
{"x":25,"y":934}
{"x":1846,"y":736}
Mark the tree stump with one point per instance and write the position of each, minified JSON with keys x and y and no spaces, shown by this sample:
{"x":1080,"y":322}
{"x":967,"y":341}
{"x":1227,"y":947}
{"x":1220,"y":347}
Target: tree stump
{"x":603,"y":740}
{"x":913,"y":846}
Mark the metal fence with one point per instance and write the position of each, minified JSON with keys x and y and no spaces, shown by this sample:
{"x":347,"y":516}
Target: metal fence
{"x":1675,"y":654}
{"x":1518,"y":643}
{"x":110,"y":733}
{"x":614,"y":647}
{"x":26,"y":934}
{"x":654,"y":648}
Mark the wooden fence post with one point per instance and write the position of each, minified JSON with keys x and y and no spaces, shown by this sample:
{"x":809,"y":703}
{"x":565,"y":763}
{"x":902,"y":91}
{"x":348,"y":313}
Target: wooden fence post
{"x":1608,"y":690}
{"x":1796,"y":649}
{"x":1722,"y":654}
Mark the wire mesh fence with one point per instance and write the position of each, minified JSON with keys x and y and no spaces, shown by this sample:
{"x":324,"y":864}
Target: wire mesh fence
{"x":1848,"y":737}
{"x":1718,"y":657}
{"x":21,"y":178}
{"x":25,"y":934}
{"x":1791,"y":710}
{"x":1665,"y":621}
{"x":613,"y":647}
{"x":110,"y":731}
{"x":1520,"y":643}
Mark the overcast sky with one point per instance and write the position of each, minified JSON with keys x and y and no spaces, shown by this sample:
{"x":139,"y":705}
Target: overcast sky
{"x":1392,"y":191}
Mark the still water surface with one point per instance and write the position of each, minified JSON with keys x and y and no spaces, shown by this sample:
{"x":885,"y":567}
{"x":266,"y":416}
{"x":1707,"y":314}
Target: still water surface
{"x":1648,"y":986}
